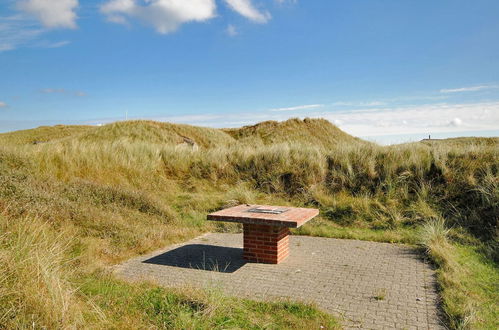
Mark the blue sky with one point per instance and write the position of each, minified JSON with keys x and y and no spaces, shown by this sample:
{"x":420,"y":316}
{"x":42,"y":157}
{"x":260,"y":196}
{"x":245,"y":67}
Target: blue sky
{"x":390,"y":70}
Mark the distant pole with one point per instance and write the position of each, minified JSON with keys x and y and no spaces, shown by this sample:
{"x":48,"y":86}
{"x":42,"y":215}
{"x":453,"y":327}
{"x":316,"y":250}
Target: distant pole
{"x":126,"y":115}
{"x":429,"y":137}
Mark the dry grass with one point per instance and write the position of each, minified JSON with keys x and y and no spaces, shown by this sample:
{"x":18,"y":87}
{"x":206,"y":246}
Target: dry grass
{"x":157,"y":133}
{"x":35,"y":291}
{"x":434,"y":233}
{"x":313,"y":132}
{"x":42,"y":134}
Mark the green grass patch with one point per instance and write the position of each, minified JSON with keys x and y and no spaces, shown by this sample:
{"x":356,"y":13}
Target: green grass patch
{"x":147,"y":305}
{"x":469,"y":281}
{"x":470,"y":287}
{"x":323,"y":228}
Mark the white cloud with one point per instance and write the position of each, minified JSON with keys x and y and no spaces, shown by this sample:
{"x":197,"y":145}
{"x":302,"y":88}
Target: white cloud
{"x":5,"y":47}
{"x":3,"y":104}
{"x":52,"y":90}
{"x":282,"y":2}
{"x":164,"y":15}
{"x":371,"y":104}
{"x":298,"y":107}
{"x":456,"y":122}
{"x":358,"y":104}
{"x":15,"y":31}
{"x":231,"y":30}
{"x":248,"y":10}
{"x":52,"y":13}
{"x":21,"y":30}
{"x":425,"y":119}
{"x":61,"y":91}
{"x":469,"y":89}
{"x":56,"y":44}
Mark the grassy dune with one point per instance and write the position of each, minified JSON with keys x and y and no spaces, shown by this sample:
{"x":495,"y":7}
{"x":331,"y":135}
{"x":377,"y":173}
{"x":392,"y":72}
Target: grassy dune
{"x":157,"y":133}
{"x":42,"y":134}
{"x":314,"y":132}
{"x":119,"y":190}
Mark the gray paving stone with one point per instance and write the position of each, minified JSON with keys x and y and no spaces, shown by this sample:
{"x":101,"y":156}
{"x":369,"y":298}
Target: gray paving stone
{"x":342,"y":277}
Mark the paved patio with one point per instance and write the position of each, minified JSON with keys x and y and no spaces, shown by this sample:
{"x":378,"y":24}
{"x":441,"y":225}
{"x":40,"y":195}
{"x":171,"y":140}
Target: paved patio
{"x":368,"y":285}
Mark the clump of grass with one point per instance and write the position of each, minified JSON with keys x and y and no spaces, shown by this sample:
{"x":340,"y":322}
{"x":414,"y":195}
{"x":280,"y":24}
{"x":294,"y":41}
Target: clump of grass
{"x":241,"y":194}
{"x":380,"y":294}
{"x":434,"y":233}
{"x":35,"y":286}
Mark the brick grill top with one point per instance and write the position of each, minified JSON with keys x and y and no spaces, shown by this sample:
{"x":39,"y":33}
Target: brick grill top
{"x":282,"y":216}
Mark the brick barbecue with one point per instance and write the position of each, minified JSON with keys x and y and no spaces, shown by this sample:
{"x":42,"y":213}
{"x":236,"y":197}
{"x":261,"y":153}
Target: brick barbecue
{"x":265,"y":228}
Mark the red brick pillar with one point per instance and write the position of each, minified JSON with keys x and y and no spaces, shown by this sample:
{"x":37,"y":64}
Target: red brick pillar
{"x":266,"y":244}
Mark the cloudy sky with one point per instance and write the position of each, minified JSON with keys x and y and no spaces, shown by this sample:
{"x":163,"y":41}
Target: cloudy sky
{"x":391,"y":70}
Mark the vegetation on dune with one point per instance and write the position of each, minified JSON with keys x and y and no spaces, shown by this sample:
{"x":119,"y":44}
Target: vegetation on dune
{"x":315,"y":132}
{"x":42,"y":134}
{"x":130,"y":187}
{"x":157,"y":133}
{"x":35,"y":291}
{"x":464,"y":141}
